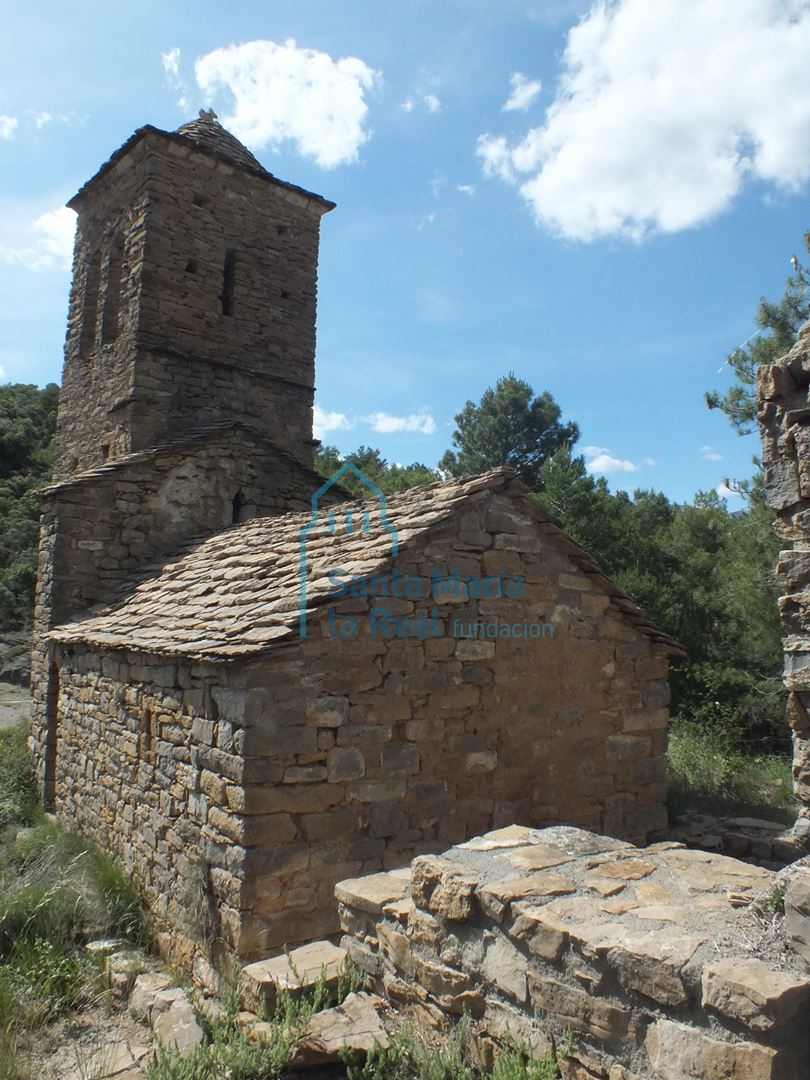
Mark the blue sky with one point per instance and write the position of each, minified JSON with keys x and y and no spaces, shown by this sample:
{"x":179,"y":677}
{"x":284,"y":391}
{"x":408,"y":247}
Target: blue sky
{"x":593,"y":196}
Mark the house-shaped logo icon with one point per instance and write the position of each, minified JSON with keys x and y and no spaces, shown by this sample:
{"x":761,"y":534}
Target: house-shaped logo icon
{"x":349,"y":519}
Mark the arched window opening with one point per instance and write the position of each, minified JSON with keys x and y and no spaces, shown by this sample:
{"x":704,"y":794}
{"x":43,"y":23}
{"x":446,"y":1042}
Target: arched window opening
{"x":236,"y":507}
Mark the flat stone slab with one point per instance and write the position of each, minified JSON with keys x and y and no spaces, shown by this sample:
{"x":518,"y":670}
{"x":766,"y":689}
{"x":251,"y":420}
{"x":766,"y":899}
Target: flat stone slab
{"x":295,"y":972}
{"x":373,"y":892}
{"x":354,"y":1025}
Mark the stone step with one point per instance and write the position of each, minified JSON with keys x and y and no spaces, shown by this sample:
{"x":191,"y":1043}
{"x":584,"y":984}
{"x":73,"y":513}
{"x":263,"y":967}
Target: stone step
{"x":295,"y":971}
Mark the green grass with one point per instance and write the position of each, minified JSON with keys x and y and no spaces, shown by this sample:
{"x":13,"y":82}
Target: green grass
{"x":709,"y":774}
{"x":228,"y":1050}
{"x":19,"y":803}
{"x":57,"y":891}
{"x":413,"y":1056}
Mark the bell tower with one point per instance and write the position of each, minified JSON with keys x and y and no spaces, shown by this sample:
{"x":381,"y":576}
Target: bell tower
{"x":193,"y":300}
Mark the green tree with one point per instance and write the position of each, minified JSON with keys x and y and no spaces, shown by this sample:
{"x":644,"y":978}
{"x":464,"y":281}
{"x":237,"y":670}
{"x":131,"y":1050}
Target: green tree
{"x":388,"y":478}
{"x":779,"y":322}
{"x":509,"y":426}
{"x":27,"y":423}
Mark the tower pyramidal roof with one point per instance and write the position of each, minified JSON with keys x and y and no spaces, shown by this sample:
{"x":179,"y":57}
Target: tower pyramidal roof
{"x":210,"y":137}
{"x":207,"y":132}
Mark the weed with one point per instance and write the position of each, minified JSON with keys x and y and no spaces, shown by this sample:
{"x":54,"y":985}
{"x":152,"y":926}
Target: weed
{"x":709,"y":773}
{"x":18,"y":793}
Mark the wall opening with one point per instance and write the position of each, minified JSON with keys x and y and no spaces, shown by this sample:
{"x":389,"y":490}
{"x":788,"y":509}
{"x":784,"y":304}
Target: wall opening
{"x":51,"y":749}
{"x":112,"y":292}
{"x":148,"y":736}
{"x":89,"y":302}
{"x":236,"y":507}
{"x":228,"y":275}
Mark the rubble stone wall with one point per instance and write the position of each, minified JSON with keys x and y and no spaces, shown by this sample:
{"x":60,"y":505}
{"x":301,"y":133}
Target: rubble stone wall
{"x":639,"y":964}
{"x":783,"y":410}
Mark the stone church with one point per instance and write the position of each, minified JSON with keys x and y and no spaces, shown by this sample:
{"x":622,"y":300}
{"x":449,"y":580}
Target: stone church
{"x":246,"y":687}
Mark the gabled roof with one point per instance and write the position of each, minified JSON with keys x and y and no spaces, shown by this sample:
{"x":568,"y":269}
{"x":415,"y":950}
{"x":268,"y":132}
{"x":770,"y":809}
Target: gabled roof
{"x":236,"y":594}
{"x":211,"y":138}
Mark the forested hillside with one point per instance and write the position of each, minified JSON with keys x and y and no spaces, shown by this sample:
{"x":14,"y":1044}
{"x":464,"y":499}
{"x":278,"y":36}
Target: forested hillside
{"x":27,"y":420}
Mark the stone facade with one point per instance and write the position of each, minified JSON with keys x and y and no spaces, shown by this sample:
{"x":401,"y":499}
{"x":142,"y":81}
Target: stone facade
{"x":654,"y":959}
{"x":241,"y":721}
{"x":783,"y":411}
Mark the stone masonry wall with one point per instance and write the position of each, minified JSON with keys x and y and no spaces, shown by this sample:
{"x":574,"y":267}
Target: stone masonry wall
{"x":638,"y":964}
{"x":134,"y":745}
{"x":783,"y":410}
{"x":371,"y":749}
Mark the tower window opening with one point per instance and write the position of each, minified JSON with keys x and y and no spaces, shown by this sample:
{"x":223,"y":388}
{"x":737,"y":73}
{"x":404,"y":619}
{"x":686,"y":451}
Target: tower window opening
{"x":112,"y":293}
{"x":228,"y":274}
{"x":191,"y":266}
{"x":285,"y":295}
{"x":236,"y":507}
{"x":281,"y":229}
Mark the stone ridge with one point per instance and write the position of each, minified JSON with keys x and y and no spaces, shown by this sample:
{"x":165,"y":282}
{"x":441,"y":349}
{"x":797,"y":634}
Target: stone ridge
{"x":237,"y":593}
{"x":204,"y":148}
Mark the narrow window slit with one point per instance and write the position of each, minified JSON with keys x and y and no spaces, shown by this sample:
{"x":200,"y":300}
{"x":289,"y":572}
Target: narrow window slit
{"x":228,"y":274}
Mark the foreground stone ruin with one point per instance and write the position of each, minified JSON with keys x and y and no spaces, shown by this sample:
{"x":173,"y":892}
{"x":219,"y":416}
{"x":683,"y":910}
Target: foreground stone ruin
{"x":784,"y":422}
{"x":652,"y":962}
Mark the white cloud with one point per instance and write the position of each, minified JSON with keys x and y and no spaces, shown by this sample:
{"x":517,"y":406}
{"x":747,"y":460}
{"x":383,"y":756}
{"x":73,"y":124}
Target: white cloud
{"x":606,"y":463}
{"x":432,"y":103}
{"x":8,"y":125}
{"x":171,"y":62}
{"x":599,"y":459}
{"x":2,"y":372}
{"x":385,"y":424}
{"x":725,"y":492}
{"x":42,"y":119}
{"x":49,"y":243}
{"x":283,"y":92}
{"x":466,"y":189}
{"x":708,"y":453}
{"x":407,"y":105}
{"x":663,"y":112}
{"x":324,"y":422}
{"x":524,"y":93}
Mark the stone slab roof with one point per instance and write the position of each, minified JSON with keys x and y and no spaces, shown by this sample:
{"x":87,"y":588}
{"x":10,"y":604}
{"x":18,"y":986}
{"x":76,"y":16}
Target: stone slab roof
{"x":236,"y":593}
{"x":209,"y":137}
{"x":191,"y":439}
